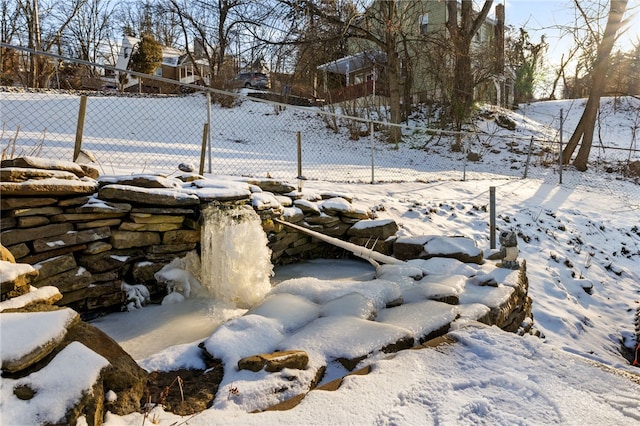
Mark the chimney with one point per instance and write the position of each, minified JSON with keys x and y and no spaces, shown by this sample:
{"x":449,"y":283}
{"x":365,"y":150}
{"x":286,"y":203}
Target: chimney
{"x":499,"y":28}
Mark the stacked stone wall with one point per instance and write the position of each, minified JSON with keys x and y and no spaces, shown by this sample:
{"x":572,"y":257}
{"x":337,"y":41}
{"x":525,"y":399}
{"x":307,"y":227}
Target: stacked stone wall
{"x":86,"y":236}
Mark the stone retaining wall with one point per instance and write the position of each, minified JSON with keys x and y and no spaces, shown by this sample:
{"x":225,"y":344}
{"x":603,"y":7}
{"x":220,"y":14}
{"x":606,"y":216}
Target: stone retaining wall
{"x":86,"y":234}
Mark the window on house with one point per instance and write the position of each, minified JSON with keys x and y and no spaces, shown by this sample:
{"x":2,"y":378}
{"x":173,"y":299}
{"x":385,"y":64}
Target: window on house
{"x":158,"y":72}
{"x":424,"y":21}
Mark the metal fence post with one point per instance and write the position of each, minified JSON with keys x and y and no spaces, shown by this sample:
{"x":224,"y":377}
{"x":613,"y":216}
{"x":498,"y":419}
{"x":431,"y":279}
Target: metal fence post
{"x":80,"y":127}
{"x":299,"y":149}
{"x":492,"y":217}
{"x":560,"y":153}
{"x":372,"y":152}
{"x":203,"y":150}
{"x":209,"y":128}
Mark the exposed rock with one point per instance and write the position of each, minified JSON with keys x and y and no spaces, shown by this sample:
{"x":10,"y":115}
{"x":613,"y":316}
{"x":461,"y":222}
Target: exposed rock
{"x":154,"y":227}
{"x":18,"y":175}
{"x":142,"y":181}
{"x":307,"y":207}
{"x":44,"y":164}
{"x":7,"y":203}
{"x":16,"y":279}
{"x":99,"y":295}
{"x":19,"y":250}
{"x":74,"y":201}
{"x":32,"y":221}
{"x":170,"y":248}
{"x":109,"y":260}
{"x":276,"y":361}
{"x":167,"y":197}
{"x":85,"y":217}
{"x":381,"y":246}
{"x":144,"y":271}
{"x":35,"y":258}
{"x":324,"y":220}
{"x":123,"y":376}
{"x":36,"y":300}
{"x":49,"y":187}
{"x":15,"y":236}
{"x":97,"y":247}
{"x":375,"y":228}
{"x":94,"y":205}
{"x":35,"y":211}
{"x":55,"y":265}
{"x":155,"y":218}
{"x":43,"y":340}
{"x":336,"y":206}
{"x":6,"y":255}
{"x":129,"y":239}
{"x":7,"y":222}
{"x":183,"y":236}
{"x":163,"y":210}
{"x":74,"y":279}
{"x":90,"y":171}
{"x":71,"y":238}
{"x":98,"y":223}
{"x":428,"y":246}
{"x":274,"y":186}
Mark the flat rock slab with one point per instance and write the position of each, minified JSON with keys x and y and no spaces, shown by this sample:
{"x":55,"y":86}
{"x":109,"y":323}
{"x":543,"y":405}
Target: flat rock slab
{"x":19,"y":203}
{"x":428,"y":246}
{"x":45,"y":164}
{"x":142,"y":180}
{"x":15,"y":236}
{"x":27,"y":337}
{"x":276,"y":361}
{"x":71,"y":239}
{"x":49,"y":187}
{"x":374,"y":228}
{"x":15,"y":174}
{"x":153,"y":196}
{"x":70,"y":390}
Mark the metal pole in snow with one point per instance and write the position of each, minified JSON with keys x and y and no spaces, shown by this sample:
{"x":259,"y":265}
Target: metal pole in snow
{"x":209,"y":127}
{"x":80,"y":127}
{"x":560,"y":155}
{"x":372,"y":152}
{"x":299,"y":145}
{"x":492,"y":217}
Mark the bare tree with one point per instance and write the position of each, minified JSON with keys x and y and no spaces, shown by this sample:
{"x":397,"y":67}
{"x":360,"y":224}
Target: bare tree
{"x":214,"y":24}
{"x":585,"y":128}
{"x":90,"y":29}
{"x":9,"y":27}
{"x":462,"y":27}
{"x":44,"y":24}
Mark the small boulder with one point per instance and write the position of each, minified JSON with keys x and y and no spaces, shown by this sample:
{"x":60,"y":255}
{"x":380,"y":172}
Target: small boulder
{"x":276,"y":361}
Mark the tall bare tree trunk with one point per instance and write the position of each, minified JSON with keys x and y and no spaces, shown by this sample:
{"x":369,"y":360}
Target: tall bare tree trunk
{"x":584,"y":129}
{"x":461,"y":36}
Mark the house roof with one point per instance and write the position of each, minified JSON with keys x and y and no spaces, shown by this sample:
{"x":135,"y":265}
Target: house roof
{"x":171,"y":56}
{"x":355,"y":62}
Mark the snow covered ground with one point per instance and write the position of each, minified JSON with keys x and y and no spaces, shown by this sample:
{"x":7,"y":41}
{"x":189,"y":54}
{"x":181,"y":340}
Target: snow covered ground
{"x":581,"y":241}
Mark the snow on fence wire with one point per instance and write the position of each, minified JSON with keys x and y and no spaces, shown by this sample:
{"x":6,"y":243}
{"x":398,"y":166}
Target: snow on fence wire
{"x":255,"y":133}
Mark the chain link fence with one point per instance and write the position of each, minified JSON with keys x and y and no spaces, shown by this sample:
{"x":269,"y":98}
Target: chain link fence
{"x":261,"y":134}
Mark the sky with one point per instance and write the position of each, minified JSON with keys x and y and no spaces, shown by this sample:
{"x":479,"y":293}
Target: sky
{"x":571,"y":240}
{"x":548,"y":16}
